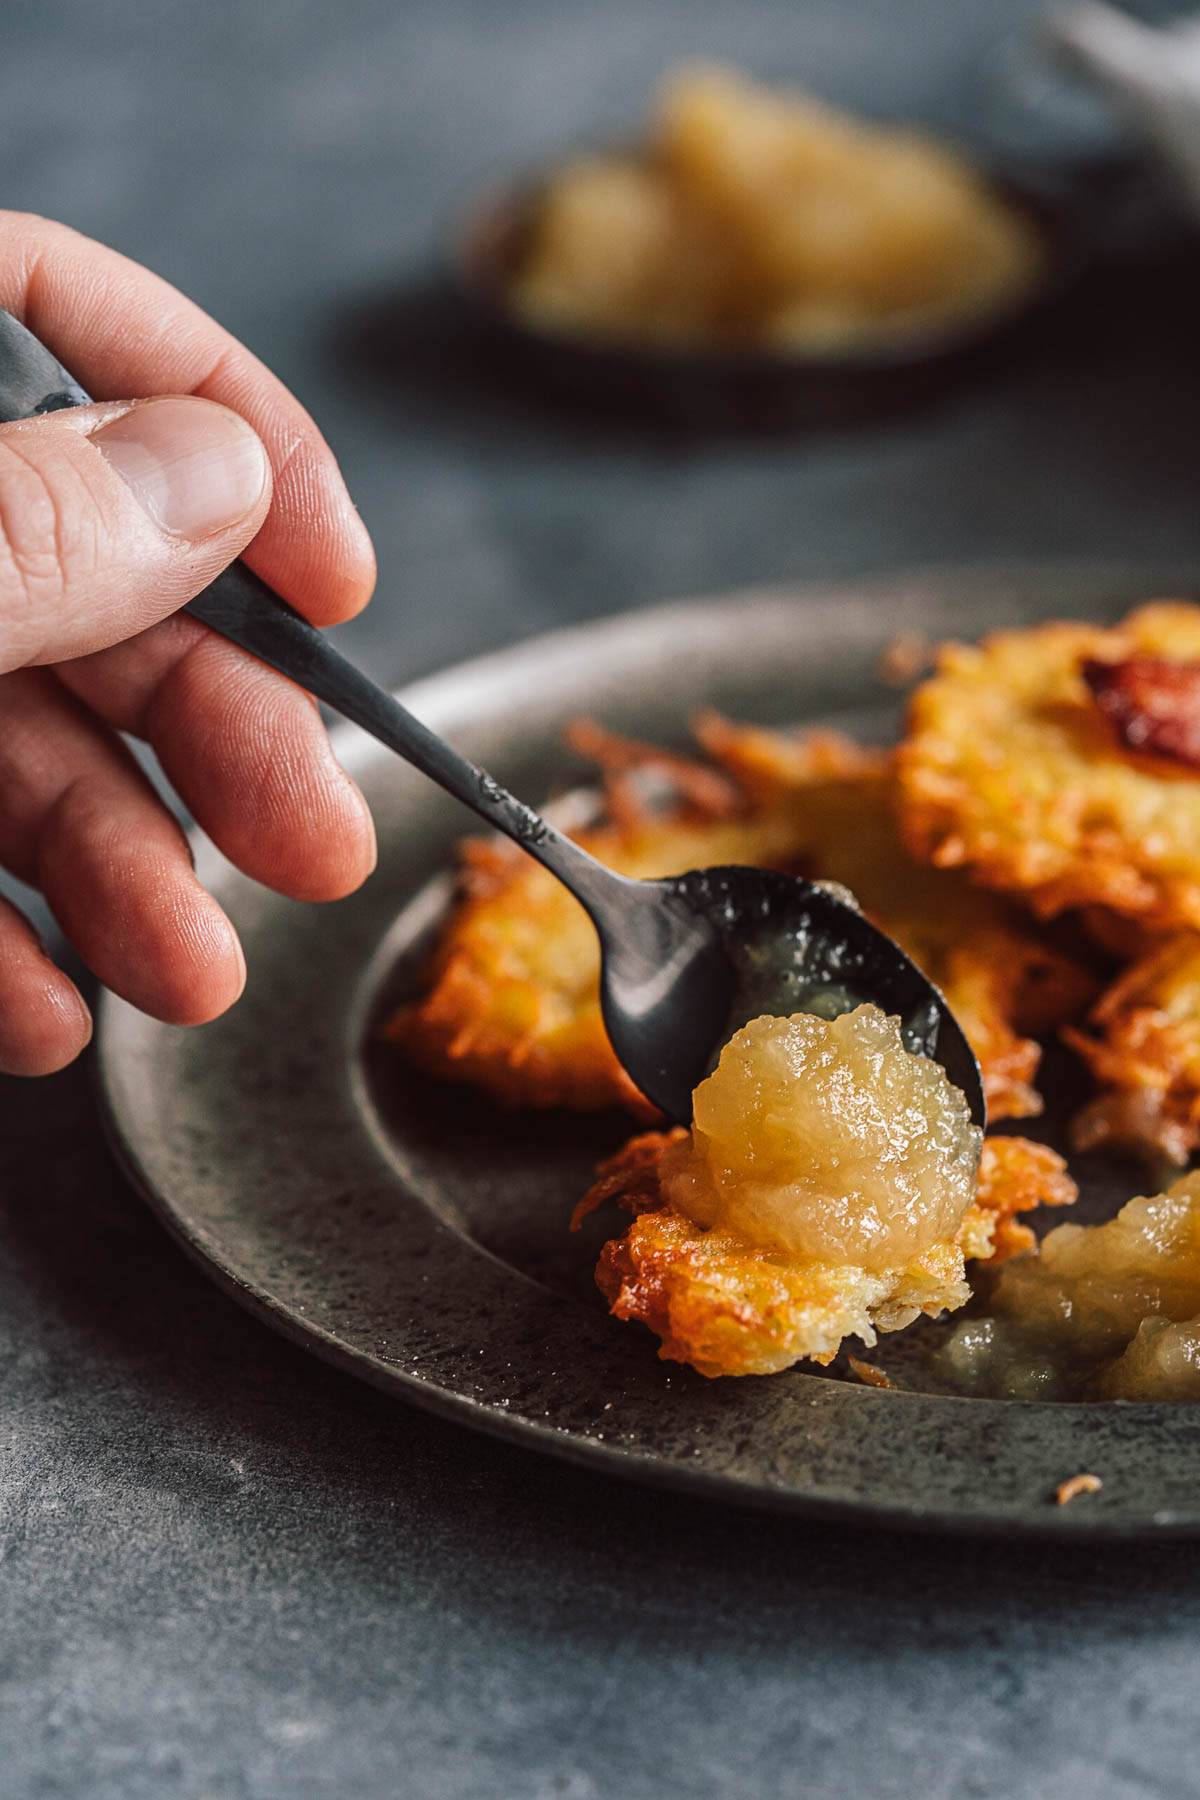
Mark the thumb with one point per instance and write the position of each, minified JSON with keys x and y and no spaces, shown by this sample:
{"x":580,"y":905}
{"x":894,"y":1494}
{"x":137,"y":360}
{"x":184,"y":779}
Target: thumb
{"x":112,"y":516}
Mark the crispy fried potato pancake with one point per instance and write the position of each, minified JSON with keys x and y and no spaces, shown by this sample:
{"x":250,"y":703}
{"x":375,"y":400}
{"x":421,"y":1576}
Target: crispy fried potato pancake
{"x":1014,"y":769}
{"x":728,"y":1307}
{"x":1001,"y":979}
{"x":1143,"y":1046}
{"x":513,"y":1001}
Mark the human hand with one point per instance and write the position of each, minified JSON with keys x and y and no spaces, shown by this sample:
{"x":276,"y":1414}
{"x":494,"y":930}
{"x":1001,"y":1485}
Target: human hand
{"x":112,"y":516}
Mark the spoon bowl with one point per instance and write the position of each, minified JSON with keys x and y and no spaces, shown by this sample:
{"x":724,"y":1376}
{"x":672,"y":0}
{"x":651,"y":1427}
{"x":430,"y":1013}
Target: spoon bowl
{"x":701,"y":954}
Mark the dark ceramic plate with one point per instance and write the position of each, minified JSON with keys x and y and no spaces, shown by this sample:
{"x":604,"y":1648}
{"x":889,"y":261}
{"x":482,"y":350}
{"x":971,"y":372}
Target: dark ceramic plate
{"x":418,"y":1238}
{"x":749,"y":387}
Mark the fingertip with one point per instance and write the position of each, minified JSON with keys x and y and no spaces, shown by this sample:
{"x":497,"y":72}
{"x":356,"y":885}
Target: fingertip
{"x":362,"y":587}
{"x":369,"y":837}
{"x":331,"y":591}
{"x":351,"y":852}
{"x":196,"y":969}
{"x":73,"y":1015}
{"x":116,"y":871}
{"x":45,"y":1022}
{"x":349,"y":594}
{"x":325,"y":565}
{"x":352,"y":579}
{"x":335,"y":855}
{"x":67,"y":1031}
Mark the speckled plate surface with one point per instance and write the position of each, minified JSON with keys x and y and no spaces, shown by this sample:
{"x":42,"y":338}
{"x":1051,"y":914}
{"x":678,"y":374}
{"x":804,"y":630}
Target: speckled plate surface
{"x":418,"y":1238}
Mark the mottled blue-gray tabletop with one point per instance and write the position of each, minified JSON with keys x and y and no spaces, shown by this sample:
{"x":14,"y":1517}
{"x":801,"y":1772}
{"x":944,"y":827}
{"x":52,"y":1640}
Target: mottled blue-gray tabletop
{"x":225,"y":1569}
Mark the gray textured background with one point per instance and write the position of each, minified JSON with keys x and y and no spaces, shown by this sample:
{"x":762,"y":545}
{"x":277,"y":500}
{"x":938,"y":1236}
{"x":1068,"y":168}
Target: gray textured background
{"x":227,"y":1571}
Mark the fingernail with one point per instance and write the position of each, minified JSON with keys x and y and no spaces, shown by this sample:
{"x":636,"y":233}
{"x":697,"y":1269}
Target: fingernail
{"x":195,"y":467}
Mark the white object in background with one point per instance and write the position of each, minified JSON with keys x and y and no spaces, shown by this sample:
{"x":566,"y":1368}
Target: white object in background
{"x":1152,"y":74}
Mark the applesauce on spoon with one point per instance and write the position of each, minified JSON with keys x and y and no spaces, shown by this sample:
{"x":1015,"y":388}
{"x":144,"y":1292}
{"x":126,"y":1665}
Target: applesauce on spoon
{"x":827,"y":1138}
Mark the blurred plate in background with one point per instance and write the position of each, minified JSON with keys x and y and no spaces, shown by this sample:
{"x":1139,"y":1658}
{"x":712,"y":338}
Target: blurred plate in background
{"x":750,"y":387}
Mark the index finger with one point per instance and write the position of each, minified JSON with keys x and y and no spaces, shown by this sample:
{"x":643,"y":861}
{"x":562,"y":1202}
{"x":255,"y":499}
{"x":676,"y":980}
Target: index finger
{"x":126,"y":334}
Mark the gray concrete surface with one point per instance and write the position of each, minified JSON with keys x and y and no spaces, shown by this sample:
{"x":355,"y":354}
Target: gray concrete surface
{"x":227,"y":1571}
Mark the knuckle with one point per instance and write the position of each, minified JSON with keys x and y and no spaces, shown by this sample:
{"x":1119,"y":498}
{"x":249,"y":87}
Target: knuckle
{"x":50,"y":536}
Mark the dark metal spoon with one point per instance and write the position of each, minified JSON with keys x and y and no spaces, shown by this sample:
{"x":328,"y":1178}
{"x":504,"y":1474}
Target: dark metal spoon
{"x":686,"y":960}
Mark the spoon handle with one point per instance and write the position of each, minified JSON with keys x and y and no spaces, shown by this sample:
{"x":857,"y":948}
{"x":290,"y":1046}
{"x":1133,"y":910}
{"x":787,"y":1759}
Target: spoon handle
{"x":241,"y":607}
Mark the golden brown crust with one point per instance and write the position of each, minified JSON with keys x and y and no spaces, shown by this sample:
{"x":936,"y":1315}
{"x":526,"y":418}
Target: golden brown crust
{"x":631,"y":1176}
{"x":730,"y":1308}
{"x":1015,"y":1175}
{"x":867,"y":1373}
{"x":1083,"y":1483}
{"x":1012,"y":769}
{"x":513,"y":1002}
{"x":1142,"y":1044}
